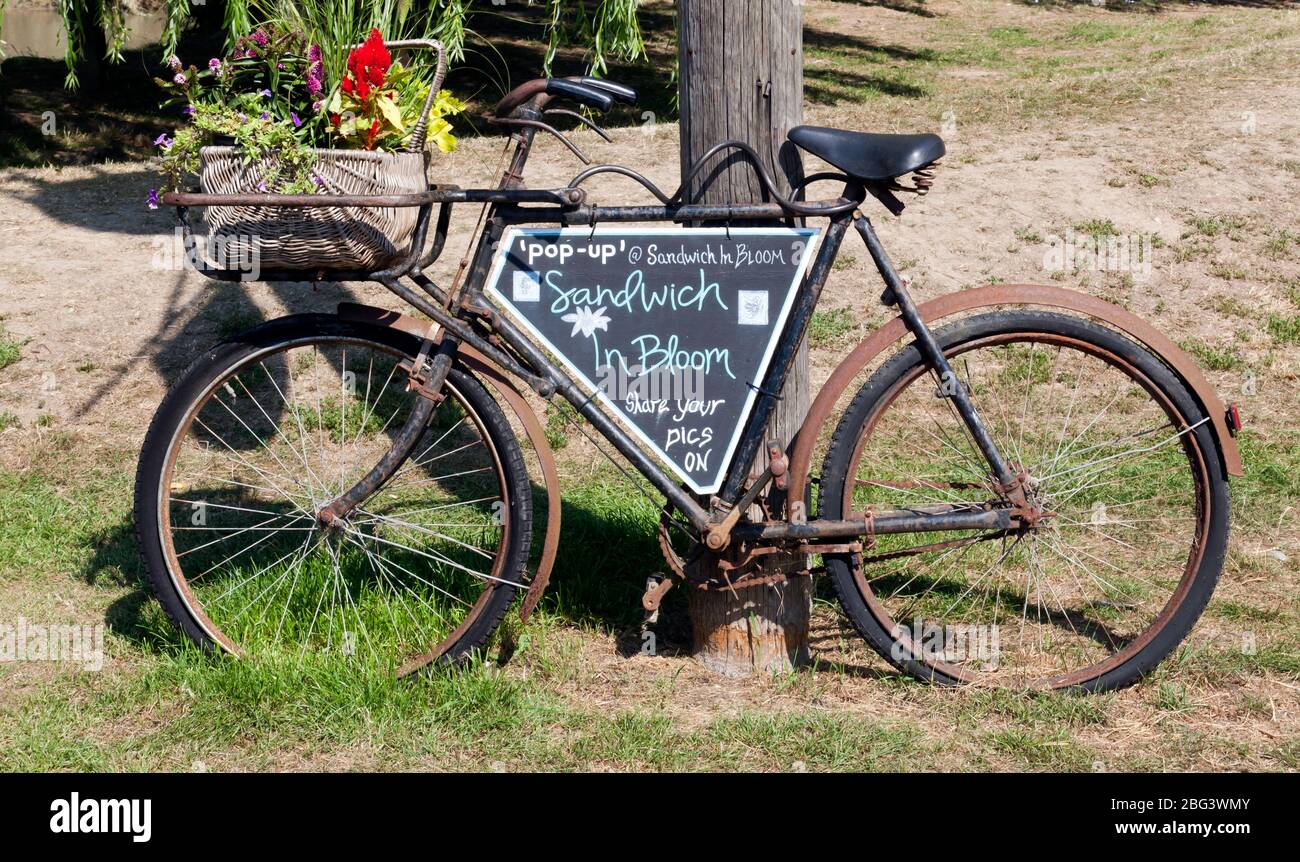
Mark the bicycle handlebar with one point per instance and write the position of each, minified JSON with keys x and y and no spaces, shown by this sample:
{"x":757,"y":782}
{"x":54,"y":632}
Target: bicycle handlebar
{"x":620,"y":92}
{"x":594,"y":92}
{"x":589,"y":96}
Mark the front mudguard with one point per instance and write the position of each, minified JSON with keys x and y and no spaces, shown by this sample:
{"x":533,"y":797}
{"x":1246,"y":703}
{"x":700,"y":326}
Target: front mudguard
{"x":1001,"y":296}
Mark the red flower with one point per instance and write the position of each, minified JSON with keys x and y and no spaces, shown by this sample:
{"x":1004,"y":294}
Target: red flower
{"x":367,"y":66}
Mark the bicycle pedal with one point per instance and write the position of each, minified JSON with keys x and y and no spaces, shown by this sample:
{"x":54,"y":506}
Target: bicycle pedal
{"x":655,"y":589}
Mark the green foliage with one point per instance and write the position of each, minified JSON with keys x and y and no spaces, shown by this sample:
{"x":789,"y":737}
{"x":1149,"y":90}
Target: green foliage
{"x":559,"y":416}
{"x":1097,"y":228}
{"x":270,"y":97}
{"x":831,"y":328}
{"x":610,"y":30}
{"x":607,"y":28}
{"x":1214,"y":357}
{"x":10,"y":350}
{"x":258,"y":95}
{"x":1285,"y":330}
{"x":82,"y":18}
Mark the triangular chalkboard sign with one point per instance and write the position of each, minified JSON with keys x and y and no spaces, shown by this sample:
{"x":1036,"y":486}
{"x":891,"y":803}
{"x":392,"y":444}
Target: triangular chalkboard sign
{"x":672,"y":329}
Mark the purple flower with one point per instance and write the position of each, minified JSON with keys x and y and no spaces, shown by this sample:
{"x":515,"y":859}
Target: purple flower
{"x":265,"y":115}
{"x":314,"y":54}
{"x":320,"y":183}
{"x":174,"y":63}
{"x":259,"y":36}
{"x":265,"y":94}
{"x":163,"y":141}
{"x":153,"y":199}
{"x":180,"y":79}
{"x":214,"y":65}
{"x":294,"y":117}
{"x":280,"y":66}
{"x":315,"y":78}
{"x":250,"y":53}
{"x":261,"y":187}
{"x":317,"y":105}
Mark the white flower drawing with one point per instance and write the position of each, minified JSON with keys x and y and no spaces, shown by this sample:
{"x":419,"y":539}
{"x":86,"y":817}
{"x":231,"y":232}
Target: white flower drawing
{"x":586,"y":321}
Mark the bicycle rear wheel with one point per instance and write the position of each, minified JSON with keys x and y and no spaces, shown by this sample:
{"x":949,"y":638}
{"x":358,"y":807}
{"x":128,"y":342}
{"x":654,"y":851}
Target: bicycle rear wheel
{"x":264,"y":430}
{"x":1121,"y":461}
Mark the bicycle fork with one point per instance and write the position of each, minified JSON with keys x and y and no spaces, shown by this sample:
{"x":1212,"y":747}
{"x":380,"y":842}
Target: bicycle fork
{"x":1009,"y":481}
{"x":427,"y":375}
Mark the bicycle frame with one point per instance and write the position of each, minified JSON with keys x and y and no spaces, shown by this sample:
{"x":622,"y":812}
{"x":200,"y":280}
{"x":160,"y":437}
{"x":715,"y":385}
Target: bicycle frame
{"x":469,"y":317}
{"x":752,"y":436}
{"x":466,"y":316}
{"x":841,"y":213}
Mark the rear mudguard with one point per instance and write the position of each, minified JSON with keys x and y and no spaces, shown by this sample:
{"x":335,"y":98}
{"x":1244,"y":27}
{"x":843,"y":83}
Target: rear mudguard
{"x":999,"y":296}
{"x":483,"y":367}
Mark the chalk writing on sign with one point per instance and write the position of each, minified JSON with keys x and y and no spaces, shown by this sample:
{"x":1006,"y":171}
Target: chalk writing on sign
{"x":671,"y":329}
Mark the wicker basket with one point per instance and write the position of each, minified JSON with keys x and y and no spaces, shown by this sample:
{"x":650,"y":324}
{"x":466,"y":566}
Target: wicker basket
{"x":324,"y":237}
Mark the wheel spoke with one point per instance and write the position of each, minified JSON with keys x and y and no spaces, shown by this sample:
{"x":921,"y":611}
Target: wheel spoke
{"x":1119,"y":503}
{"x":397,"y":577}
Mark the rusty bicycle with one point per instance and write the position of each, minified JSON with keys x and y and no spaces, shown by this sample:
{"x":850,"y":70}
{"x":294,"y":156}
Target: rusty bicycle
{"x":1026,"y":457}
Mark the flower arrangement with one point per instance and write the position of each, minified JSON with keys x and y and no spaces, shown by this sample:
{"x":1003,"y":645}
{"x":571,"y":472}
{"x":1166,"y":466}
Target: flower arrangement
{"x":269,"y":97}
{"x":373,"y":107}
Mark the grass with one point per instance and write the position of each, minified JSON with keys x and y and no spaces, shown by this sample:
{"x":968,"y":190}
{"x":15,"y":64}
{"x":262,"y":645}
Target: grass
{"x":1214,"y":357}
{"x":1279,"y":245}
{"x":1052,"y":749}
{"x":567,"y":699}
{"x":560,"y":416}
{"x":1229,"y":226}
{"x":10,"y":349}
{"x":1227,"y":271}
{"x":1229,"y":306}
{"x":162,"y":704}
{"x":1097,"y":228}
{"x":1284,"y":330}
{"x":830,"y":328}
{"x":259,"y":712}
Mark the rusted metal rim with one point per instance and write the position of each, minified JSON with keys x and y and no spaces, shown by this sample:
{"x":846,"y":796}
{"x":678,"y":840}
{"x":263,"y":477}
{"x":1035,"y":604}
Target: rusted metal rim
{"x":1179,"y":594}
{"x":194,"y":607}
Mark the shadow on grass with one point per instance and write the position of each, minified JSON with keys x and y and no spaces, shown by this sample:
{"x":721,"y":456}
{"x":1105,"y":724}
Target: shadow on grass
{"x":607,"y":550}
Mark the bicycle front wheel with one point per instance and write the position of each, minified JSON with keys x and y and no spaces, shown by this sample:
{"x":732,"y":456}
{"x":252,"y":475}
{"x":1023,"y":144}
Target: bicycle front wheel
{"x":1121,"y":462}
{"x":264,"y":430}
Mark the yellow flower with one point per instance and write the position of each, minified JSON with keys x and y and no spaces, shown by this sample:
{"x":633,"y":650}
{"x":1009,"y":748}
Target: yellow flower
{"x":440,"y":134}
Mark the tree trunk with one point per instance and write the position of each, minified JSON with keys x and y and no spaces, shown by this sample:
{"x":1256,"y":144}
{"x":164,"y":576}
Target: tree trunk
{"x":90,"y":70}
{"x":741,"y":77}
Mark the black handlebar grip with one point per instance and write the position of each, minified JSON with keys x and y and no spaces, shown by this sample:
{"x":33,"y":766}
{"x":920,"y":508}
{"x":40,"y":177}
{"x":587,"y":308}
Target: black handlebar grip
{"x":589,"y":96}
{"x":621,"y":92}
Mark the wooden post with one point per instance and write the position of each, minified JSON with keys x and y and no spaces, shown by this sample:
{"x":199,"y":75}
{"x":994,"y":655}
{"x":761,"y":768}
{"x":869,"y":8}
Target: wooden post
{"x":741,"y":76}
